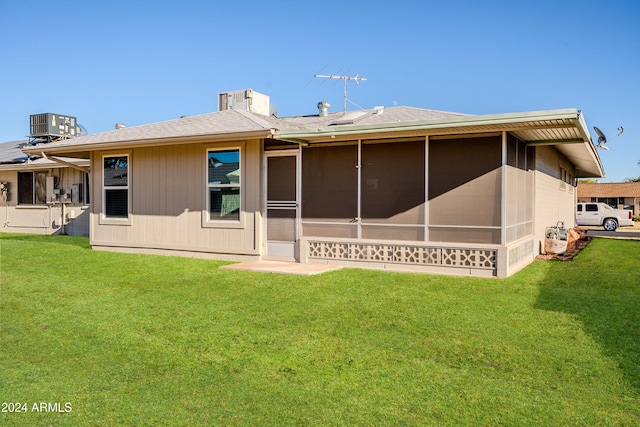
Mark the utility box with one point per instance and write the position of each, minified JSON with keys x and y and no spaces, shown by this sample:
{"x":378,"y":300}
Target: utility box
{"x":50,"y":125}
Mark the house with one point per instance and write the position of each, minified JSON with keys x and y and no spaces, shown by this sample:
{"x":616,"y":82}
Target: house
{"x":43,"y":195}
{"x":619,"y":195}
{"x":391,"y":188}
{"x":40,"y":195}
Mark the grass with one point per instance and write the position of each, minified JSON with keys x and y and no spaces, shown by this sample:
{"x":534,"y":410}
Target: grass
{"x":149,"y":340}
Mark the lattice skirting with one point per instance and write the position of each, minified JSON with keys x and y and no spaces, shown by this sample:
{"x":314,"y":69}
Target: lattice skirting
{"x":404,"y":254}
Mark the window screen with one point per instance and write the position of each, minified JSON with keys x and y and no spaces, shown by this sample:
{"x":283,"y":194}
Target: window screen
{"x":393,"y":182}
{"x":330,"y":183}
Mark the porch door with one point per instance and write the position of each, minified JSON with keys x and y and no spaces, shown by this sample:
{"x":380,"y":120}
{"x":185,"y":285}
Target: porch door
{"x":282,"y":205}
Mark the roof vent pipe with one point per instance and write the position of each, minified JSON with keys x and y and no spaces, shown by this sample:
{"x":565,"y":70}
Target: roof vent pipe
{"x":323,"y":108}
{"x":120,"y":125}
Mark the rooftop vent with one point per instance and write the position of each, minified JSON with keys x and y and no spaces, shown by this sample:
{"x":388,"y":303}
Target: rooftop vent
{"x":120,"y":126}
{"x":323,"y":108}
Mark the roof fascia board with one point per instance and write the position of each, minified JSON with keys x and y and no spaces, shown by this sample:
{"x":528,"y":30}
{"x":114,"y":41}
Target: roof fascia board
{"x":136,"y":143}
{"x":589,"y":145}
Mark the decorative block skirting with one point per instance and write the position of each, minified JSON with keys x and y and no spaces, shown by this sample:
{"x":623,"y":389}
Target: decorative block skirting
{"x":405,"y":254}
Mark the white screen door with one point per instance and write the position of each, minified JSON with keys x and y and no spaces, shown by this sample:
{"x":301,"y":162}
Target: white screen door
{"x":282,"y":205}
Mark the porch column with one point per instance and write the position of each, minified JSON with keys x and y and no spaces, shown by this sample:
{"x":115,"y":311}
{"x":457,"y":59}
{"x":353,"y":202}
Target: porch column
{"x":503,"y":192}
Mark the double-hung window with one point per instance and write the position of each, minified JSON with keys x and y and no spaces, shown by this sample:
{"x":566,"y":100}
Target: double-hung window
{"x":116,"y":186}
{"x":32,"y":188}
{"x":223,"y":185}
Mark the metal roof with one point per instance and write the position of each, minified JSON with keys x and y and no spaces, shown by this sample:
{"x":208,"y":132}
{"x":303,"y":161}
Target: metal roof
{"x":564,"y":129}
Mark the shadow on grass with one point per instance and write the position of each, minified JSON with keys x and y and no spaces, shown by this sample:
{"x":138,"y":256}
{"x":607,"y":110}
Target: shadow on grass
{"x":601,"y":288}
{"x":78,"y":241}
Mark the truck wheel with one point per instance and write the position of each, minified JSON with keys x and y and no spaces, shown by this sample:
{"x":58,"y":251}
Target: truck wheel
{"x":610,"y":224}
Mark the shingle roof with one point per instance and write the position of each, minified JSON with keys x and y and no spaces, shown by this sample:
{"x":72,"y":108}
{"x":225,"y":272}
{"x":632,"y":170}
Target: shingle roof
{"x":565,"y":129}
{"x":13,"y":158}
{"x":366,"y":117}
{"x":238,"y":121}
{"x":10,"y":152}
{"x":613,"y":189}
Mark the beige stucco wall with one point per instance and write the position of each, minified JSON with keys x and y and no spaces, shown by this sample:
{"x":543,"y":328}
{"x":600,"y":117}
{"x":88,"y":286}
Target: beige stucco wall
{"x":167,"y":186}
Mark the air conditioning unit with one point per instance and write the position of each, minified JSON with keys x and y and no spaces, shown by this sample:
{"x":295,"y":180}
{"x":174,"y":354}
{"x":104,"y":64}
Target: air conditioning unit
{"x":246,"y":100}
{"x":47,"y":125}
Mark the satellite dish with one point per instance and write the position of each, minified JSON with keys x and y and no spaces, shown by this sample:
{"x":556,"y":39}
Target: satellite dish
{"x":602,"y":139}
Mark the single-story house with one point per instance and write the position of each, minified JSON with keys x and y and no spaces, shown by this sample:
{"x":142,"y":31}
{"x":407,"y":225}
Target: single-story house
{"x":41,"y":195}
{"x":619,"y":195}
{"x":391,"y":188}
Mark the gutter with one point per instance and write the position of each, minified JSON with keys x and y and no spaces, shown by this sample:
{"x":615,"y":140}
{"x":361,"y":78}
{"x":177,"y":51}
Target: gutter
{"x":79,"y":147}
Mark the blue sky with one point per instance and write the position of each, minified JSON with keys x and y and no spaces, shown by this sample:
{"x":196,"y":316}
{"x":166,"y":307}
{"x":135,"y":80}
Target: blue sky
{"x":139,"y":61}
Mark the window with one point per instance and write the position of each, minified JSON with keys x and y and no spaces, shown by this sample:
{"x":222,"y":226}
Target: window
{"x":591,"y":208}
{"x":223,"y":185}
{"x":85,"y":190}
{"x":116,"y":186}
{"x":32,"y":188}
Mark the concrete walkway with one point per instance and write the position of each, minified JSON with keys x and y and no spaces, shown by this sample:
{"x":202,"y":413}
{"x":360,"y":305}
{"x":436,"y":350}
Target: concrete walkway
{"x":282,"y":267}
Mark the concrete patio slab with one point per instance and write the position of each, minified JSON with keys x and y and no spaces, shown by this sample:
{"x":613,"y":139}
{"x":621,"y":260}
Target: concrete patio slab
{"x":282,"y":267}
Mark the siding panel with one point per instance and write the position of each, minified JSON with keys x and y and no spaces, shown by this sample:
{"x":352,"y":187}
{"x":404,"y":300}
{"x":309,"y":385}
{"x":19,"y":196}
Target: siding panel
{"x":168,"y":191}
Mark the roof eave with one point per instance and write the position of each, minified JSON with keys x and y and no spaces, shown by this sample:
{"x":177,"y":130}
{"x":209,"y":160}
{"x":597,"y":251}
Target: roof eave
{"x":69,"y":150}
{"x":457,"y":125}
{"x":312,"y":134}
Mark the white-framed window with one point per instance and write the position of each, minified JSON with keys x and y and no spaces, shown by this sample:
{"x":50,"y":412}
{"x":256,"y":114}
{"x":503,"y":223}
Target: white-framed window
{"x":224,"y":187}
{"x":115,"y":175}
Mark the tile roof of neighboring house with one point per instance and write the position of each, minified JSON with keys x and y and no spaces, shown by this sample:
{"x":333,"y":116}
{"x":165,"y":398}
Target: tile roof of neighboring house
{"x":617,"y":189}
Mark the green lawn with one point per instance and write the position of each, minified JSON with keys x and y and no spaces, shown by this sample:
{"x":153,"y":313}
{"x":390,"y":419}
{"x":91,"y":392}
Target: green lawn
{"x":133,"y":340}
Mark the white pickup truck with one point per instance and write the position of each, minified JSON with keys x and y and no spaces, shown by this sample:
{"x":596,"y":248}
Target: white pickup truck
{"x":603,"y":215}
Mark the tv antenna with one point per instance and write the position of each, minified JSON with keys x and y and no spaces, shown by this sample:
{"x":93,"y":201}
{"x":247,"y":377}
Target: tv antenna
{"x":345,"y":79}
{"x":602,"y":139}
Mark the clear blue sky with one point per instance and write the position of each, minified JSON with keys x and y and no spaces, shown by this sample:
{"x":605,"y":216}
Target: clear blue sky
{"x":139,"y":62}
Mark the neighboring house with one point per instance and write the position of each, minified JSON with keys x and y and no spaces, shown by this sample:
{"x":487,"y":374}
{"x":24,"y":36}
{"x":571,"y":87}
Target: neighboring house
{"x":42,"y":196}
{"x":619,"y":195}
{"x":391,"y":188}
